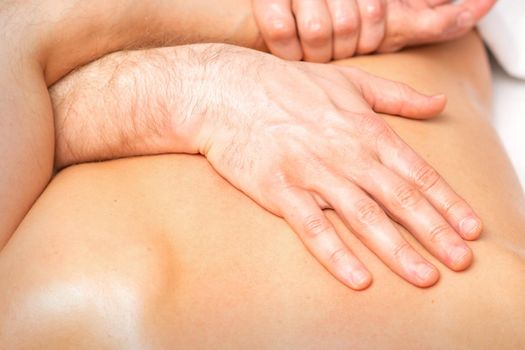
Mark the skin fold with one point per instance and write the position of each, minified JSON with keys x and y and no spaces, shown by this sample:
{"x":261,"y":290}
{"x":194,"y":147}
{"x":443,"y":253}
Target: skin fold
{"x":161,"y":252}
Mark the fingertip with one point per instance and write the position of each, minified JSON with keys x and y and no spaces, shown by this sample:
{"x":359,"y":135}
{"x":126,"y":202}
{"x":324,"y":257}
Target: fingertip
{"x":440,"y":98}
{"x":470,"y":228}
{"x":460,"y":258}
{"x":427,"y":107}
{"x":440,"y":101}
{"x":354,"y":275}
{"x":426,"y":275}
{"x":480,"y":8}
{"x":360,"y":279}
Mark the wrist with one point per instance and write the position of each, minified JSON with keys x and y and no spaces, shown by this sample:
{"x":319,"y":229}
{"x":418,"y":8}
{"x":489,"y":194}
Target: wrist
{"x":186,"y":91}
{"x":202,"y":79}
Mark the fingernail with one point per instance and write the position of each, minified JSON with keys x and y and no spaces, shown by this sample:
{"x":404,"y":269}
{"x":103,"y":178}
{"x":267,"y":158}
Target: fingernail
{"x":470,"y":227}
{"x":457,"y":255}
{"x":438,"y":97}
{"x":359,"y":278}
{"x":424,"y":271}
{"x":465,"y":19}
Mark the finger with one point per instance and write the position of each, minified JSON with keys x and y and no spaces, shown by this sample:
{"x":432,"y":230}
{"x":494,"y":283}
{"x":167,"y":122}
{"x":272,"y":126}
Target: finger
{"x":301,"y":211}
{"x":373,"y":227}
{"x":479,"y":8}
{"x":277,"y":25}
{"x":390,"y":97}
{"x":434,"y":3}
{"x":373,"y":14}
{"x":452,"y":20}
{"x":411,"y":209}
{"x":346,"y":23}
{"x":442,"y":23}
{"x":315,"y":29}
{"x":399,"y":157}
{"x":447,"y":21}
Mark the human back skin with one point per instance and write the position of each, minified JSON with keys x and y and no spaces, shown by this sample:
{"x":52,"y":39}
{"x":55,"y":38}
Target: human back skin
{"x":161,"y":252}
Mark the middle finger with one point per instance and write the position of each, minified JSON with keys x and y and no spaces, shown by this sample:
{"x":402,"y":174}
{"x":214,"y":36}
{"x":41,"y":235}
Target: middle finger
{"x":315,"y":29}
{"x":346,"y":25}
{"x":373,"y":14}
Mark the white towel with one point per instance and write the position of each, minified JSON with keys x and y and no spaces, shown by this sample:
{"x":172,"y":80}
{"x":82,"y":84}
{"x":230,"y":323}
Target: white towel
{"x":503,"y":30}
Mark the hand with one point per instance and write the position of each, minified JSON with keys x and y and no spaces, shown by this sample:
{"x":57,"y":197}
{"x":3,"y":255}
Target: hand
{"x":296,"y":137}
{"x":321,"y":30}
{"x":414,"y":22}
{"x":299,"y":137}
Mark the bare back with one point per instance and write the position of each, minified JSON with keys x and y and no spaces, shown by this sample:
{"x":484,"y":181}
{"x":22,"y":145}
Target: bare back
{"x":161,"y":252}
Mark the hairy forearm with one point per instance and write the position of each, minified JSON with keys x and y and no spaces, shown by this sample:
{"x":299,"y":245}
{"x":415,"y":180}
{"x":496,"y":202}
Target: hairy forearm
{"x":132,"y":103}
{"x":42,"y":41}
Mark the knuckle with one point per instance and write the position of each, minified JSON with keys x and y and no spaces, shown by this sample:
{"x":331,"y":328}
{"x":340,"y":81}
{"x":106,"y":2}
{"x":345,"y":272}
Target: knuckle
{"x":367,"y":211}
{"x":406,"y":196}
{"x":400,"y":251}
{"x":433,"y":29}
{"x":394,"y":42}
{"x":452,"y":206}
{"x":345,"y":26}
{"x":375,"y":11}
{"x":337,"y":257}
{"x":438,"y":233}
{"x":315,"y":226}
{"x":425,"y":177}
{"x":280,"y":30}
{"x":388,"y":138}
{"x":404,"y":91}
{"x":370,"y":124}
{"x":315,"y":32}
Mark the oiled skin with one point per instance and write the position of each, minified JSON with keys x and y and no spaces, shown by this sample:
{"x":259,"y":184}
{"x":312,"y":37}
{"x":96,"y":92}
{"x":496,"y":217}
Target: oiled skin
{"x":160,"y":252}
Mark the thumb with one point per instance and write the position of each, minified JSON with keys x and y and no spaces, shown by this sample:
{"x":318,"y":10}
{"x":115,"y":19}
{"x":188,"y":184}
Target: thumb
{"x":479,"y":8}
{"x":390,"y":97}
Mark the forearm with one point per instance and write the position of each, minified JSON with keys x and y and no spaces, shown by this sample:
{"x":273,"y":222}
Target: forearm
{"x":78,"y":32}
{"x":132,"y":103}
{"x":42,"y":41}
